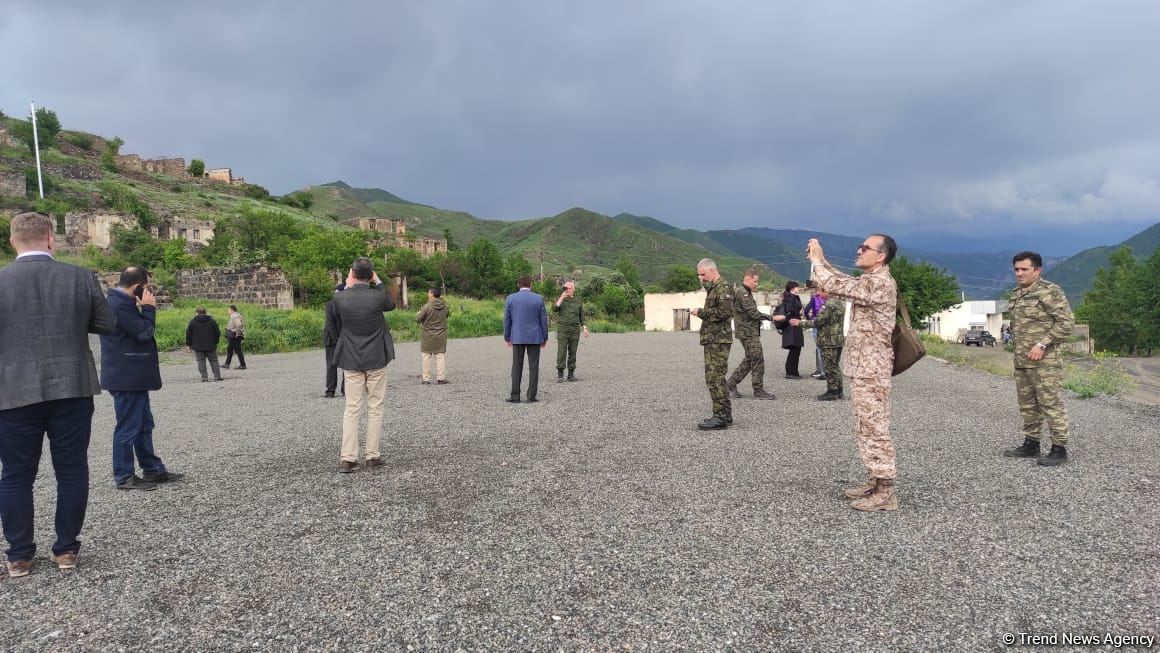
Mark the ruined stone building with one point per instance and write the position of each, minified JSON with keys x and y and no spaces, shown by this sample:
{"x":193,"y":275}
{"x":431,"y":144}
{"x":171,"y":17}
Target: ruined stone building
{"x":169,"y":167}
{"x":82,"y":228}
{"x":6,"y":139}
{"x":224,"y":175}
{"x":396,"y":232}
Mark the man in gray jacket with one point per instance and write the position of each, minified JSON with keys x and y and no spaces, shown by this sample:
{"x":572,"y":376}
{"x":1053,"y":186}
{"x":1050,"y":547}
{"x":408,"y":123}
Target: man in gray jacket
{"x":47,"y":383}
{"x":364,"y":348}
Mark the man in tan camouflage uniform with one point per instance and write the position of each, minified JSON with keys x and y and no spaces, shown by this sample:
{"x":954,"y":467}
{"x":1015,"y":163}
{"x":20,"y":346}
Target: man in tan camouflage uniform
{"x":748,"y":331}
{"x":869,"y":359}
{"x":830,"y":341}
{"x":717,"y":338}
{"x":1041,"y":319}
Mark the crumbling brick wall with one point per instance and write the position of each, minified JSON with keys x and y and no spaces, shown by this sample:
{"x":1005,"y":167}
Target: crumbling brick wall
{"x":12,"y":184}
{"x":260,"y":285}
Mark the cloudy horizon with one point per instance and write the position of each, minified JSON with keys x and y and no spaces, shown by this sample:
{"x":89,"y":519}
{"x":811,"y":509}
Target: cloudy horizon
{"x":959,"y":117}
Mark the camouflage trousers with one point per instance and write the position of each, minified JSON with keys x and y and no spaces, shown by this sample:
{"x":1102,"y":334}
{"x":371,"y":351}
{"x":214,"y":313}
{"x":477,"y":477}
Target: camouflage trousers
{"x":1041,"y":399}
{"x":567,"y":341}
{"x":716,"y":367}
{"x":872,"y":426}
{"x":831,"y":364}
{"x":754,"y":363}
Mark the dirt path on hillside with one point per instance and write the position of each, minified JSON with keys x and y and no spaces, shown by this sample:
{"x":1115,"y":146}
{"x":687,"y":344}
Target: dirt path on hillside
{"x":1146,"y":371}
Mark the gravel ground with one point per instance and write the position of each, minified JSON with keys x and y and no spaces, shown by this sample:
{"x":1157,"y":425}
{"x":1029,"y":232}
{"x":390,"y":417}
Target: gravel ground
{"x":598,"y":519}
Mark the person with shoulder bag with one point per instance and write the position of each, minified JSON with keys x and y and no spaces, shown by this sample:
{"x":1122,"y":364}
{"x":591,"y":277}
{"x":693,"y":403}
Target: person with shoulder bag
{"x":235,"y":334}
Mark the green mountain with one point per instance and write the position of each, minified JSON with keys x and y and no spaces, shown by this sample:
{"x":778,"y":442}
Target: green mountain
{"x":1076,"y":273}
{"x":369,"y":195}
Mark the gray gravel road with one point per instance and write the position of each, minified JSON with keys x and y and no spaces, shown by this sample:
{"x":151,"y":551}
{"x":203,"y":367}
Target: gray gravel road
{"x":599,"y":519}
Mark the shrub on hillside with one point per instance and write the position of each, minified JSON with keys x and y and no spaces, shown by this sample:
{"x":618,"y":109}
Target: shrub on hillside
{"x":83,"y":141}
{"x":197,"y":168}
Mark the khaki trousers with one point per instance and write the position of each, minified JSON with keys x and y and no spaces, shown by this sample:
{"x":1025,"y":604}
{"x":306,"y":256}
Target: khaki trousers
{"x":369,"y":387}
{"x":872,"y":426}
{"x":440,"y":366}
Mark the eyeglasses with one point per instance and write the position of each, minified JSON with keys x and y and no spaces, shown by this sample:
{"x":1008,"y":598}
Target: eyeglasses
{"x":863,"y":248}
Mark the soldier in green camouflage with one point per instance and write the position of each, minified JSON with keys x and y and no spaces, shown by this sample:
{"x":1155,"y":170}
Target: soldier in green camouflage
{"x":830,"y":341}
{"x":569,"y":311}
{"x":748,"y":330}
{"x":717,"y":338}
{"x":1041,"y":320}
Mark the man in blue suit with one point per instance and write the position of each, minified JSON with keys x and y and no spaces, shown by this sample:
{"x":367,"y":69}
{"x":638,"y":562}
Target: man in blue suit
{"x":129,"y":370}
{"x":525,"y":330}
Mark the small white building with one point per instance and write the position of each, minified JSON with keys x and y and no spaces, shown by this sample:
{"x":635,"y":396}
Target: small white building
{"x":671,"y":311}
{"x":978,"y":314}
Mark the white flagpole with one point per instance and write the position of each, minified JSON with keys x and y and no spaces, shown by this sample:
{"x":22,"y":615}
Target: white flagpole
{"x":36,"y":149}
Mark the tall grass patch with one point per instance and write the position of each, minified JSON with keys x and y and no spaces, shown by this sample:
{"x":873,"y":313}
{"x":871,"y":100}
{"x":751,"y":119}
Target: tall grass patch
{"x":1106,"y":376}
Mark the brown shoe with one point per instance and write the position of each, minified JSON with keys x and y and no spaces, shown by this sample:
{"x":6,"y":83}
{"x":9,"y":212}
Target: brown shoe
{"x":19,"y":568}
{"x":881,"y":500}
{"x":442,"y":382}
{"x":346,"y":467}
{"x":374,"y":462}
{"x":862,"y":491}
{"x":65,"y":560}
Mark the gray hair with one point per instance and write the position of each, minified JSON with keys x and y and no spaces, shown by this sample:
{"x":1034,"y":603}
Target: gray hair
{"x":31,"y":228}
{"x":706,"y":263}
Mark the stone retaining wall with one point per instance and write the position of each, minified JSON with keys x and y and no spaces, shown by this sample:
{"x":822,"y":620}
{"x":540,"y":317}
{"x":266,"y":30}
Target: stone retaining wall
{"x":259,"y":285}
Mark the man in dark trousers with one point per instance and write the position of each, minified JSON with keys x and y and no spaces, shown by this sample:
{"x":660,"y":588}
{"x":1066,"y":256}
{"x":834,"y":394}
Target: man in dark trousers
{"x":329,"y":342}
{"x":525,"y":330}
{"x":202,"y":336}
{"x":129,"y":370}
{"x":569,"y":324}
{"x":47,"y":383}
{"x":364,"y":349}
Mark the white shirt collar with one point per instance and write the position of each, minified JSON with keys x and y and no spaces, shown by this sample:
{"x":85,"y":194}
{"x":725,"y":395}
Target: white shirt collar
{"x":35,"y":253}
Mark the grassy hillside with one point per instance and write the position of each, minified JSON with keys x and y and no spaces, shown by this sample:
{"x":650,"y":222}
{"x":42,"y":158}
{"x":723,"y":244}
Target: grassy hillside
{"x":1076,"y":273}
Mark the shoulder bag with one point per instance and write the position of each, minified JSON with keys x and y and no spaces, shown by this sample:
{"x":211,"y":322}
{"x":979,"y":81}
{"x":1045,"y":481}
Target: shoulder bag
{"x":908,"y":347}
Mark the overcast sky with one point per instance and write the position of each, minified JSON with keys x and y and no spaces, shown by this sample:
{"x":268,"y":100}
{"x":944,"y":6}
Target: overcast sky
{"x":843,"y":116}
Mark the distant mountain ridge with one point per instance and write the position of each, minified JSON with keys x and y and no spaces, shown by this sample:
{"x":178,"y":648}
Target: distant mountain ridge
{"x":1079,"y":270}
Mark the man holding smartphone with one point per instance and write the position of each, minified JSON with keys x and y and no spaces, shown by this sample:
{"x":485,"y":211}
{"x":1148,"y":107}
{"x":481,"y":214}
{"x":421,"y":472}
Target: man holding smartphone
{"x":129,"y":370}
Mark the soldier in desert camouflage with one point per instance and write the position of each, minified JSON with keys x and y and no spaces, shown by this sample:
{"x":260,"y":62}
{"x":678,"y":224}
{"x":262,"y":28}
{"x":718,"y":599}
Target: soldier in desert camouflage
{"x":869,"y":360}
{"x":1041,"y":319}
{"x":717,"y":338}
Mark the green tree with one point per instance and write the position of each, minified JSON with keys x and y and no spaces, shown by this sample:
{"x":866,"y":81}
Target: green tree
{"x":260,"y":233}
{"x":174,"y":257}
{"x":514,"y":267}
{"x":46,"y":119}
{"x":197,"y":168}
{"x":311,"y":259}
{"x":926,"y":289}
{"x":681,"y":278}
{"x":135,"y":247}
{"x":629,"y":270}
{"x":5,"y":234}
{"x":487,"y":267}
{"x":451,"y":246}
{"x":1114,"y":307}
{"x":109,"y":156}
{"x":255,"y":192}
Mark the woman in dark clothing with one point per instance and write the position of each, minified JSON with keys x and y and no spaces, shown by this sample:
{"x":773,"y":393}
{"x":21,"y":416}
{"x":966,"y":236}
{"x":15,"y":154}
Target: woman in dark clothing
{"x":792,"y":338}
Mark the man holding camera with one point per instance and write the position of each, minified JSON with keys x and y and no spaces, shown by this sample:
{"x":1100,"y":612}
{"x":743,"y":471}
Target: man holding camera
{"x":569,"y":323}
{"x":129,"y":370}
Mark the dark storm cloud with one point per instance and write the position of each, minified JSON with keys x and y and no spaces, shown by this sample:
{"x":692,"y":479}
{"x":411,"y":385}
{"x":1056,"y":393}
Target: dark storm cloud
{"x":833,"y":114}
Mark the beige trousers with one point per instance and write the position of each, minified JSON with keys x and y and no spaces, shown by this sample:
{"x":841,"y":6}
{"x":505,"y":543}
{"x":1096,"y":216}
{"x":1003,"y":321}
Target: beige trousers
{"x":440,"y":366}
{"x":368,"y":387}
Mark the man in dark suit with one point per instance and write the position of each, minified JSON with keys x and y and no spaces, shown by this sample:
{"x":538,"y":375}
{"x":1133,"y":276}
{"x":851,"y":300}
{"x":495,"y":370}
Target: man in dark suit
{"x":525,"y":330}
{"x":329,"y":342}
{"x":47,"y":383}
{"x":129,"y":370}
{"x":363,"y":351}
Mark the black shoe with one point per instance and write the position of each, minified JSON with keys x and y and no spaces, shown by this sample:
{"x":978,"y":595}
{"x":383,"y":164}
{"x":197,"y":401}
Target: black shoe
{"x":241,"y":367}
{"x":829,"y":396}
{"x":531,"y":400}
{"x":713,"y":424}
{"x":512,"y":400}
{"x":571,"y":376}
{"x":329,"y":395}
{"x":732,"y":388}
{"x":729,"y":418}
{"x":1029,"y":449}
{"x":163,"y":477}
{"x":204,"y":380}
{"x":760,"y":393}
{"x":136,"y":483}
{"x":795,"y":377}
{"x":559,"y":375}
{"x":1057,"y":456}
{"x":226,"y":366}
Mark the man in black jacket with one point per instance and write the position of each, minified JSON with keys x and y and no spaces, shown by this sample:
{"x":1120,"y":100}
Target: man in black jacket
{"x":202,"y":336}
{"x":363,"y":351}
{"x":329,"y":342}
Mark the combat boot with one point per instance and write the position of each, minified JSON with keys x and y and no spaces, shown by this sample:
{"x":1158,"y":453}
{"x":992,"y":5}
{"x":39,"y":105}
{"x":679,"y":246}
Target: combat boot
{"x":559,"y":375}
{"x":732,"y":388}
{"x":729,"y":417}
{"x":862,"y":491}
{"x":829,"y":395}
{"x":571,"y":375}
{"x":1029,"y":449}
{"x":1057,"y":456}
{"x":760,"y":393}
{"x":881,"y":500}
{"x":714,"y":423}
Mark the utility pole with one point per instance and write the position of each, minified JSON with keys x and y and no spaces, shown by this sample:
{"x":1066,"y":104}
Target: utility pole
{"x":36,"y":149}
{"x":540,"y":253}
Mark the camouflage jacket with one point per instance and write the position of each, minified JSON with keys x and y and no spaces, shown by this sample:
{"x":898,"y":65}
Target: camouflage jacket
{"x":829,"y":325}
{"x":569,"y":314}
{"x":874,"y":296}
{"x":717,"y":315}
{"x":748,"y":318}
{"x":1039,"y":314}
